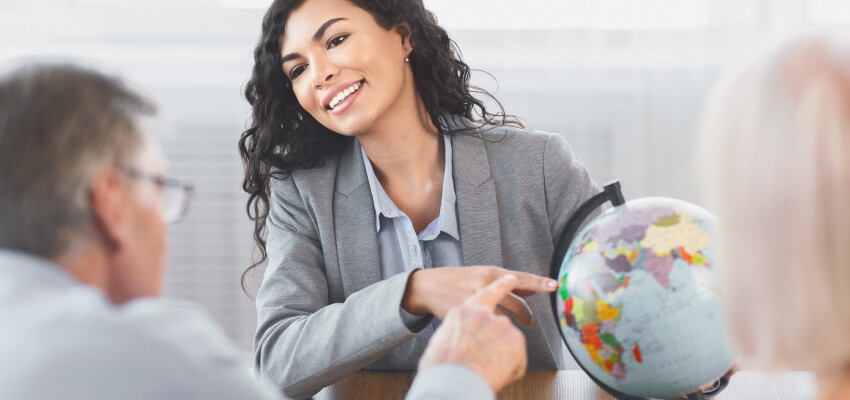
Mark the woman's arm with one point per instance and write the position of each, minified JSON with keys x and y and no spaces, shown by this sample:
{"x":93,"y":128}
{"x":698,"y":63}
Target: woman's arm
{"x":303,"y":343}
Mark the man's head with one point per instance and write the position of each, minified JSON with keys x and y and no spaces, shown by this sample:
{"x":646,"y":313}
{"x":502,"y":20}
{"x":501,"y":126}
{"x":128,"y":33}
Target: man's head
{"x":75,"y":177}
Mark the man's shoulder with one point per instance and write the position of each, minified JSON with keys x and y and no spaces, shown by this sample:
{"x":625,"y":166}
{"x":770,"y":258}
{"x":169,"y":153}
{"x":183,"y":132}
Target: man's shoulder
{"x":177,"y":324}
{"x":144,"y":332}
{"x":145,"y":349}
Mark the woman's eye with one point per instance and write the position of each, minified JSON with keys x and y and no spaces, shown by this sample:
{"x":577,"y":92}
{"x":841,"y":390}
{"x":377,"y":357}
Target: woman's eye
{"x":336,"y":41}
{"x":296,"y":71}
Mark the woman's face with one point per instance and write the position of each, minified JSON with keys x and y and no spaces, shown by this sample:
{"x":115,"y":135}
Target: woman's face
{"x":346,"y":70}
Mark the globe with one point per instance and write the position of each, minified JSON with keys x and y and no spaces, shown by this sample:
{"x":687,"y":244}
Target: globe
{"x":637,"y":305}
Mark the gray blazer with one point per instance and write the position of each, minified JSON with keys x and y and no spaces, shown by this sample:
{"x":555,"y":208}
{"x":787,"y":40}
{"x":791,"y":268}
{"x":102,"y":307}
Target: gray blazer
{"x":324,"y":311}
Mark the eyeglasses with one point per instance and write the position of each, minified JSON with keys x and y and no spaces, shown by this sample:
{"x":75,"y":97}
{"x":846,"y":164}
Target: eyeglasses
{"x":174,"y":195}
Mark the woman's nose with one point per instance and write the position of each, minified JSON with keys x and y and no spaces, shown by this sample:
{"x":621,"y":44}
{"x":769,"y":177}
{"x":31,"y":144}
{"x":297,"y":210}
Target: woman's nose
{"x":323,"y":72}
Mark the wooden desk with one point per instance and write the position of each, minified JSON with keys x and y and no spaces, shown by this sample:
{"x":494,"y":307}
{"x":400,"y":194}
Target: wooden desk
{"x":572,"y":385}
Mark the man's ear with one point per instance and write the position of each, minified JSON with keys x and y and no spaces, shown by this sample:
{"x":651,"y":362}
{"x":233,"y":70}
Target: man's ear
{"x":403,"y":29}
{"x":109,"y":206}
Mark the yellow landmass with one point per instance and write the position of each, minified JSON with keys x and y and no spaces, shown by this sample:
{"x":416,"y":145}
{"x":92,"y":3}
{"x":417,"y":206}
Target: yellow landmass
{"x":686,"y":234}
{"x":591,"y":245}
{"x":594,"y":354}
{"x":631,"y":254}
{"x":578,"y":309}
{"x":606,"y":312}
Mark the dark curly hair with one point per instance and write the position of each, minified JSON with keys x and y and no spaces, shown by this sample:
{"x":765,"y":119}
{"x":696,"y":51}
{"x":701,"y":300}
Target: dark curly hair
{"x":283,"y":137}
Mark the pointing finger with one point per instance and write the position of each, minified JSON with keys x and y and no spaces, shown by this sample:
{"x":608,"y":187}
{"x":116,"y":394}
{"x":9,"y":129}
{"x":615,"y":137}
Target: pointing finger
{"x":492,"y":294}
{"x":518,"y":307}
{"x":534,"y":283}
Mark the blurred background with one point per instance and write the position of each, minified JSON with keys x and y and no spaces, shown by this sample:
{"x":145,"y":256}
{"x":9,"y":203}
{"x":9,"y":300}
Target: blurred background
{"x":622,"y":80}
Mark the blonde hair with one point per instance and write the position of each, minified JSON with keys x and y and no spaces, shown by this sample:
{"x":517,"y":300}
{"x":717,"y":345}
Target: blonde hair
{"x":774,"y":149}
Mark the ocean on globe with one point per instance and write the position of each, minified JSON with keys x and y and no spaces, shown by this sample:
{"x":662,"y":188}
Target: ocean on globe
{"x":637,"y":305}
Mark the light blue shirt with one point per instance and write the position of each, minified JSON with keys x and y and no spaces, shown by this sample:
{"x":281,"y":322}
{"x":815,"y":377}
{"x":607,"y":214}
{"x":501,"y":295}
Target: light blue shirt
{"x":61,"y":339}
{"x":402,"y":249}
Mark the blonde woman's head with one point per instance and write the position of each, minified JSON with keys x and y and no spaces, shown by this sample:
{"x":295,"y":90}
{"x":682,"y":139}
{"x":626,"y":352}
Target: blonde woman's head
{"x":774,"y":150}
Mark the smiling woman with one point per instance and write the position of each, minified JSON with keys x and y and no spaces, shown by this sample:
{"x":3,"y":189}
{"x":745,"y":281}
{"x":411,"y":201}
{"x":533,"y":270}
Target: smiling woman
{"x":331,"y":68}
{"x":384,"y":203}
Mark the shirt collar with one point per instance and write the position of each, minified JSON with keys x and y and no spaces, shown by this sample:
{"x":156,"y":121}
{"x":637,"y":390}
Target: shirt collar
{"x":27,"y":266}
{"x":447,"y":220}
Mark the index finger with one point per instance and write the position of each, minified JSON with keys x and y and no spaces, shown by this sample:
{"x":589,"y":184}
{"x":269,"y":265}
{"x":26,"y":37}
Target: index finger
{"x":490,"y":295}
{"x":534,"y":283}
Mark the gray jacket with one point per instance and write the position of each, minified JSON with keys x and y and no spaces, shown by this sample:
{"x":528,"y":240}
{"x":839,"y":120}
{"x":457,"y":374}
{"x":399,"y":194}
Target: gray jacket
{"x":323,"y":310}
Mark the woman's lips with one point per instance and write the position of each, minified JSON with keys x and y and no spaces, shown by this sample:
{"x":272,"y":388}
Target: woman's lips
{"x":343,"y":105}
{"x":326,"y":99}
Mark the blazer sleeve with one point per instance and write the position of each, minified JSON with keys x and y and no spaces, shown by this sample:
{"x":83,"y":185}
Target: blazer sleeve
{"x":567,"y":183}
{"x":303,"y":343}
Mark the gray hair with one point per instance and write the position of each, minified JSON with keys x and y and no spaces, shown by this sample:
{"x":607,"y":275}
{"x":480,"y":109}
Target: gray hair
{"x":58,"y":125}
{"x":775,"y":147}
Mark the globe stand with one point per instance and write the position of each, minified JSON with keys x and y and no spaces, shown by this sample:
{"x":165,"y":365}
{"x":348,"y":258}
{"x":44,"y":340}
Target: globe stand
{"x":611,"y":192}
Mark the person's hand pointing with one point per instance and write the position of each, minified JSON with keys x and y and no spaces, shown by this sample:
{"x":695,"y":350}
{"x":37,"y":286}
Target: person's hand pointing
{"x":475,"y":336}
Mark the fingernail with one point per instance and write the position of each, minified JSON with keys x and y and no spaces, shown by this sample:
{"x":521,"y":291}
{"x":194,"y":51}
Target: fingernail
{"x":551,"y":284}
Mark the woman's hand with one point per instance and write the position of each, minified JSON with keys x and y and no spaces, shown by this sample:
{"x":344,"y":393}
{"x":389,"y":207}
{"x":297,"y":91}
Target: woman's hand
{"x":436,"y":290}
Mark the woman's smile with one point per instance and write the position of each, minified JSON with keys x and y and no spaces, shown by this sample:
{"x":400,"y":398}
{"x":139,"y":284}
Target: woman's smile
{"x":341,"y":96}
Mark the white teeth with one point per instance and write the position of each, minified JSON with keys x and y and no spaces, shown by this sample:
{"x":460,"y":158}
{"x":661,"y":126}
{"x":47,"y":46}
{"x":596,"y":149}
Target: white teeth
{"x":343,"y":94}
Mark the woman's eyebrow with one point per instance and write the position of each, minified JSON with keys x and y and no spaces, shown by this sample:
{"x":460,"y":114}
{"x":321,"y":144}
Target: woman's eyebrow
{"x":316,"y":37}
{"x":321,"y":31}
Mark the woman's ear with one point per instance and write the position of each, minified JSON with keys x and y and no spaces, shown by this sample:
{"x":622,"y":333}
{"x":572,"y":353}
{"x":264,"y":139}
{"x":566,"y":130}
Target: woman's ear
{"x":403,"y":30}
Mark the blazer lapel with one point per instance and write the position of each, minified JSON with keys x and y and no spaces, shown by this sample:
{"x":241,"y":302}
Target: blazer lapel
{"x":354,"y":223}
{"x":478,"y":211}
